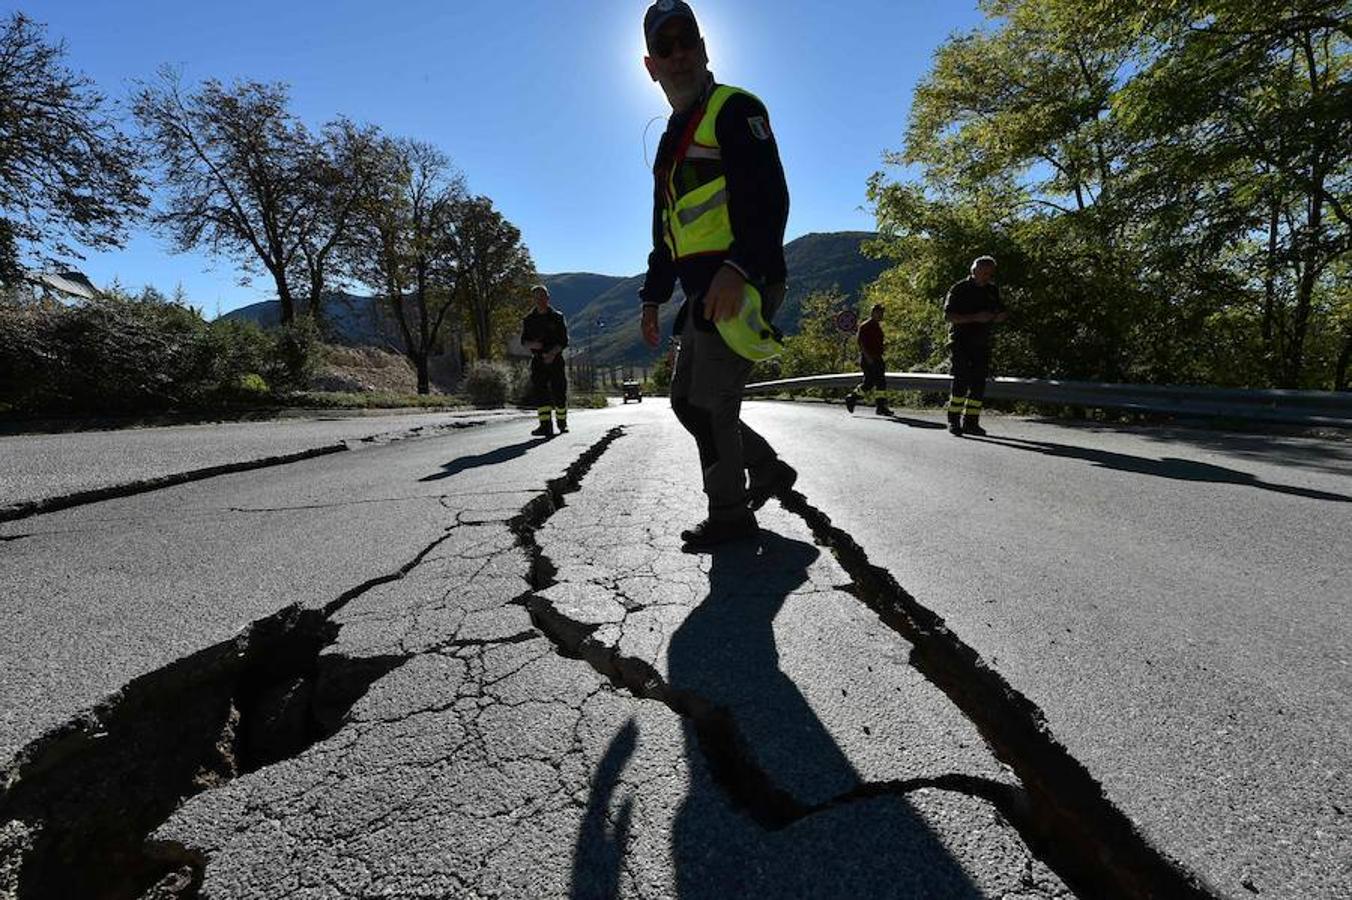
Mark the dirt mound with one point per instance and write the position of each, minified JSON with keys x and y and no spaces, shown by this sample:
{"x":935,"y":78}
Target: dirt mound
{"x":364,"y":370}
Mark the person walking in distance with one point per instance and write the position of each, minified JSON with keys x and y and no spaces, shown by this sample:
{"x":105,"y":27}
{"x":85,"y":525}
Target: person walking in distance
{"x":973,"y":304}
{"x":720,"y":205}
{"x":545,"y":333}
{"x":870,"y":338}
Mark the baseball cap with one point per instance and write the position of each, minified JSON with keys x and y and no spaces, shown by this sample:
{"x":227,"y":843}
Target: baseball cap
{"x":663,"y":11}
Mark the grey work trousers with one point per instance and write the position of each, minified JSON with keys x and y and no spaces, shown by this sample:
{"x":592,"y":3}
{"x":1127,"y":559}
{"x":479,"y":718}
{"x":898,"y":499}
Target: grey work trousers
{"x":706,"y":395}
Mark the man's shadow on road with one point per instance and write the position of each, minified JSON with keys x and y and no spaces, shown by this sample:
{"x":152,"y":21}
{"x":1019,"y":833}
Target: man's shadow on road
{"x":1167,"y":467}
{"x":908,"y":421}
{"x":491,"y":458}
{"x":743,"y":829}
{"x":915,"y":423}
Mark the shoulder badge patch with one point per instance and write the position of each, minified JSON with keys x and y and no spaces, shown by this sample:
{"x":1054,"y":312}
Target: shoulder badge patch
{"x":759,"y":127}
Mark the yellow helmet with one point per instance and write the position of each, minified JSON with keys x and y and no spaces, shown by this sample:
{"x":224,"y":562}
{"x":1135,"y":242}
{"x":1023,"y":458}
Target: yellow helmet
{"x":747,"y":333}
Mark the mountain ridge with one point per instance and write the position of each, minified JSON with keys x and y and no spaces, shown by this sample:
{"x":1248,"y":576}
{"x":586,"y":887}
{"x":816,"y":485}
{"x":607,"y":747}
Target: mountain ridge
{"x":603,"y":310}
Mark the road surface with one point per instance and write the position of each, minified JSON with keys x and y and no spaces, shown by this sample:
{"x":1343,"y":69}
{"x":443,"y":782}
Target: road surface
{"x":474,"y":663}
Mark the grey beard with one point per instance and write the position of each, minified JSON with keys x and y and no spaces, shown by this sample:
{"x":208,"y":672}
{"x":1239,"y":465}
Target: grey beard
{"x":683,"y":98}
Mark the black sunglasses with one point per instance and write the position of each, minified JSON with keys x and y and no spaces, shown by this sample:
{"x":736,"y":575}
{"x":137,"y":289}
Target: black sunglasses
{"x":664,"y":45}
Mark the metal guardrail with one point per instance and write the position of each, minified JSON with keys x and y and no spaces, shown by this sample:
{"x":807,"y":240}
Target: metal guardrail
{"x":1331,"y":408}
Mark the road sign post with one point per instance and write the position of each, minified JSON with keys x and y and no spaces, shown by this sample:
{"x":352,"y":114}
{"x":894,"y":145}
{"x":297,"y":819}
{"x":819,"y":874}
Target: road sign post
{"x":847,"y":320}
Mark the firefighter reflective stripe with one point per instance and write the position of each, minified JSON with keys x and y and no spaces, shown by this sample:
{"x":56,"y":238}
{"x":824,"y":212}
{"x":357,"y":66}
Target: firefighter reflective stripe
{"x":697,"y":152}
{"x":689,"y":214}
{"x":545,"y":412}
{"x":955,"y":403}
{"x":561,"y":413}
{"x":973,"y":403}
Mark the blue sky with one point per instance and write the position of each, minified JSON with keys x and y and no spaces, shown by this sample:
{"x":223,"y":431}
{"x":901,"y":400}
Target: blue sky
{"x":543,"y":105}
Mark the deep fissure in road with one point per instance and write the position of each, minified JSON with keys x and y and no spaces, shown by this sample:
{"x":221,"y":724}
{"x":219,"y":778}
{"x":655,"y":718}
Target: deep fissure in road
{"x":86,"y":795}
{"x":1068,"y":820}
{"x":28,"y":508}
{"x":78,"y":803}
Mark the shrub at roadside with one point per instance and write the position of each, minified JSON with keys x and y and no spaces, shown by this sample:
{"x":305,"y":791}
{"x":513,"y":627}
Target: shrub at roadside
{"x":486,"y":385}
{"x":121,"y":354}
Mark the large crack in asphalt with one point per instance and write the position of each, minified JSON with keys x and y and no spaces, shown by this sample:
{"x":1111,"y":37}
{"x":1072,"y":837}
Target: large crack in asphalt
{"x":1067,"y":818}
{"x":1059,"y":809}
{"x":77,"y":804}
{"x":28,"y":508}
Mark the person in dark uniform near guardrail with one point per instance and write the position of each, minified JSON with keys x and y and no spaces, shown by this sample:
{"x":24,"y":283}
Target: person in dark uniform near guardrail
{"x":720,"y":206}
{"x":973,"y":304}
{"x":545,"y":334}
{"x":871,"y":343}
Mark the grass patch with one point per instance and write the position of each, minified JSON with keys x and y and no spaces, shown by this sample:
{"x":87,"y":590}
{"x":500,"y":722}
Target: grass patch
{"x":588,"y":401}
{"x":372,"y":400}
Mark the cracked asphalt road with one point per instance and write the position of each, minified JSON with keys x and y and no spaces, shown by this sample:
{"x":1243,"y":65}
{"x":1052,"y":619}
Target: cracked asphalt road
{"x":488,"y":764}
{"x":42,"y":466}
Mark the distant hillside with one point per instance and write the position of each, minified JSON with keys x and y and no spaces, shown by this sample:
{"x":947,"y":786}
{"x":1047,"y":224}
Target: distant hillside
{"x":349,"y":319}
{"x":572,"y":291}
{"x":604,"y":308}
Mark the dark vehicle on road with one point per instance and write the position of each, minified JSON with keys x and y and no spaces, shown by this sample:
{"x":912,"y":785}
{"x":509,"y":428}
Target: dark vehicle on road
{"x":633,"y":390}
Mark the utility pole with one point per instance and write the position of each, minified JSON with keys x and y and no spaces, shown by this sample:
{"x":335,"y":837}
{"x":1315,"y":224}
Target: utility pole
{"x":595,"y":323}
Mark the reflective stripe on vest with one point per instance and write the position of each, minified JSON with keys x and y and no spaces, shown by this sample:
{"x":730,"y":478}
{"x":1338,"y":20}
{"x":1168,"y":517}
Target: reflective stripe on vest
{"x":697,"y":221}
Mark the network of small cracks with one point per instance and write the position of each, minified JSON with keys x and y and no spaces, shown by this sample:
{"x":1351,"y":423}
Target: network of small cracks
{"x":649,"y":685}
{"x":472,"y":700}
{"x":1068,"y":821}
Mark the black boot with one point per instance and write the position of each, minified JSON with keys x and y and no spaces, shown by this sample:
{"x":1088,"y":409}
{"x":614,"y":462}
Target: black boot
{"x":714,"y":532}
{"x":955,"y":424}
{"x":850,"y":401}
{"x":544,"y":429}
{"x":972,"y":425}
{"x":881,"y":408}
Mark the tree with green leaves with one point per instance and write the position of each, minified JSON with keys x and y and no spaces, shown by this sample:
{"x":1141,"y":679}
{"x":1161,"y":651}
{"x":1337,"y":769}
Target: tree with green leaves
{"x":67,"y":174}
{"x":245,"y":179}
{"x":1021,"y":157}
{"x":493,"y":272}
{"x":1243,"y":122}
{"x":1163,"y":183}
{"x":819,"y":346}
{"x":345,"y":161}
{"x":404,"y":246}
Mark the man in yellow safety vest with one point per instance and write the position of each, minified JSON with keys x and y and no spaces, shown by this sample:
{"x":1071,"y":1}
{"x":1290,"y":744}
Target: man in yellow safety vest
{"x":720,"y":205}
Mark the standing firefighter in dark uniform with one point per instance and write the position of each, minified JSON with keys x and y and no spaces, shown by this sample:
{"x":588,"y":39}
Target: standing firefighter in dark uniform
{"x":973,"y":304}
{"x":544,"y":333}
{"x":720,"y":205}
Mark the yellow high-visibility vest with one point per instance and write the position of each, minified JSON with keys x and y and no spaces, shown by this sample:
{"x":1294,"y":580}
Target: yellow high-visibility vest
{"x":695,"y":214}
{"x":696,"y":221}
